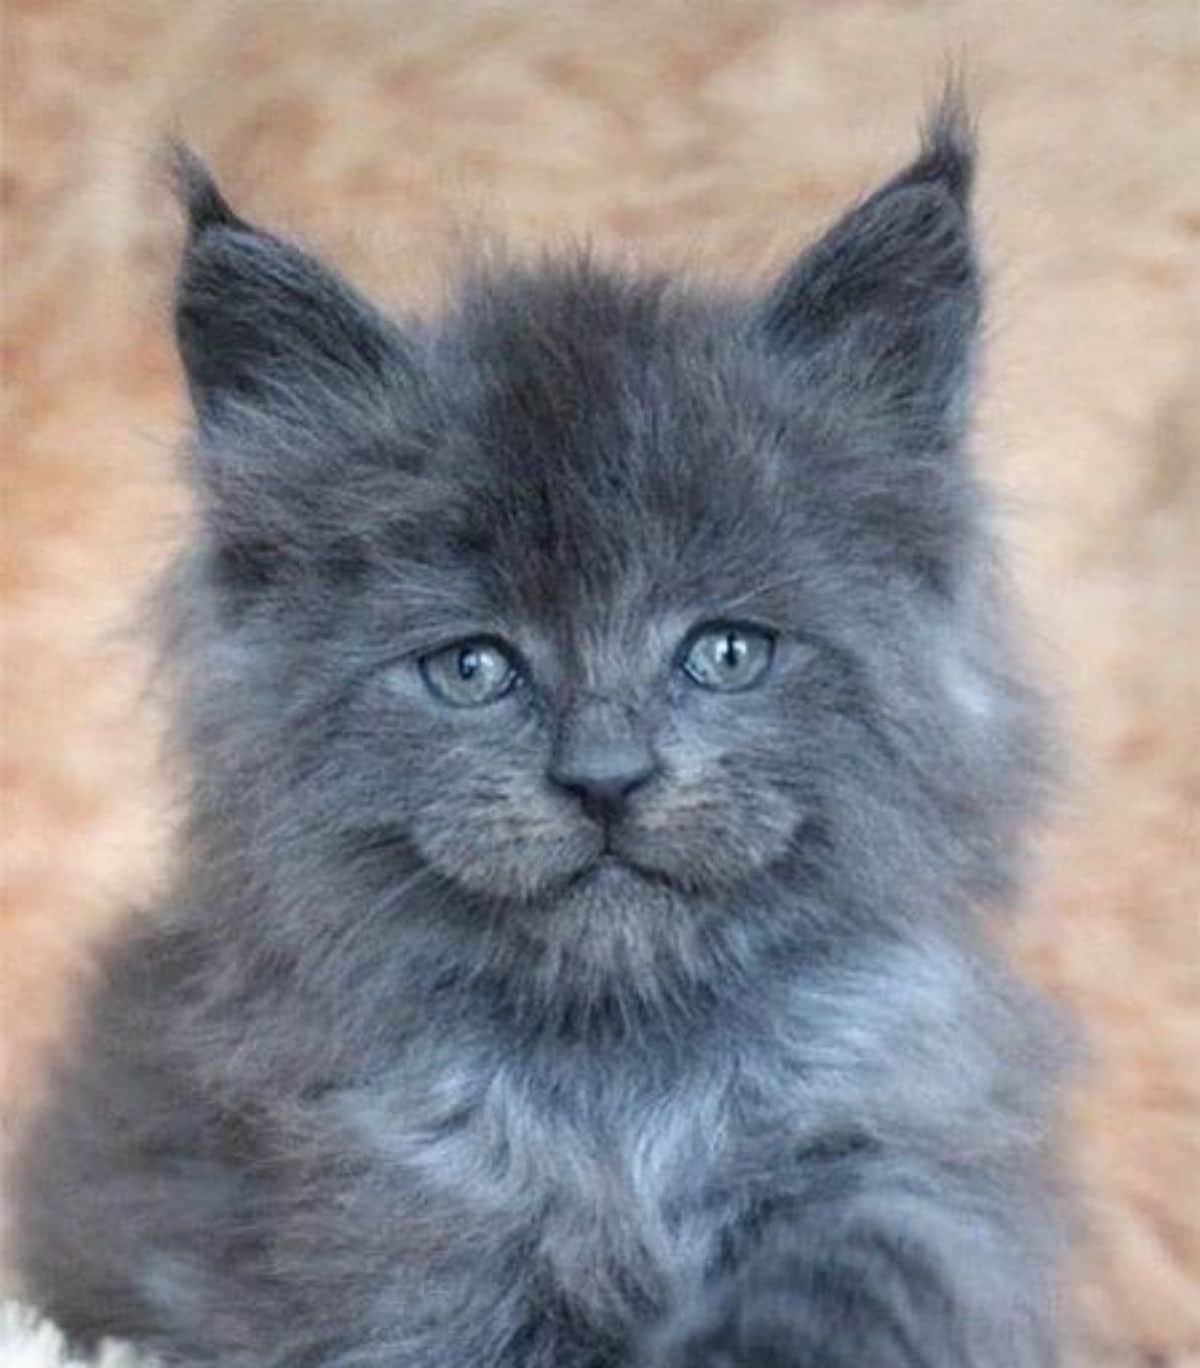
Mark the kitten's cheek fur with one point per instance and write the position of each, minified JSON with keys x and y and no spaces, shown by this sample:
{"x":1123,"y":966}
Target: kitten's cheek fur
{"x":713,"y":846}
{"x":516,"y":859}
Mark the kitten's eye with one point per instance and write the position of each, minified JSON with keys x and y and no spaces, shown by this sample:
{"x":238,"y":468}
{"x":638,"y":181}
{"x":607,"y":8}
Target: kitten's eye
{"x":470,"y":673}
{"x":728,"y":656}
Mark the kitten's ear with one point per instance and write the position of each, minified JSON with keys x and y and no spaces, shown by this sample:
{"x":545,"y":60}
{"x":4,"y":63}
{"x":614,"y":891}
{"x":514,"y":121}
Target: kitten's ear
{"x":888,"y":301}
{"x":264,"y":329}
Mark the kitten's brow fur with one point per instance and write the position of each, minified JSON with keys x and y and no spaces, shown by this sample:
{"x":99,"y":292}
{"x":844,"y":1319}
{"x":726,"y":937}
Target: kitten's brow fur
{"x":398,"y":1077}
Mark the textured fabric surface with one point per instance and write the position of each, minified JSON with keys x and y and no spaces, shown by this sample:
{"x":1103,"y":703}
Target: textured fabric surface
{"x":715,"y":135}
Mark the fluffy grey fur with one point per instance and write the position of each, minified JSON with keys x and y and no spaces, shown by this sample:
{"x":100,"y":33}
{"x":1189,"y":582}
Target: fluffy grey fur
{"x":427,"y":1063}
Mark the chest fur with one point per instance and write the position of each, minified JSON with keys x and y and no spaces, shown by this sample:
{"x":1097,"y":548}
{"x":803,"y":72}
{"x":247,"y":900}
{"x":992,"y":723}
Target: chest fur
{"x":606,"y":1191}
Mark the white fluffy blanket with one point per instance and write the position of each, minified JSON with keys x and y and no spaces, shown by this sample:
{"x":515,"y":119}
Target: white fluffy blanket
{"x":28,"y":1341}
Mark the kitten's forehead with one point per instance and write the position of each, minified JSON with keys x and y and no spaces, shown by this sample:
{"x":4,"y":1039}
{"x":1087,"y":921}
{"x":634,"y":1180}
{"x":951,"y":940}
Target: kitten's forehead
{"x":616,"y":450}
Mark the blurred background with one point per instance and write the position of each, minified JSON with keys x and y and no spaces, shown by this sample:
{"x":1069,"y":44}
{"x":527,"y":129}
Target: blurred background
{"x":716,"y":136}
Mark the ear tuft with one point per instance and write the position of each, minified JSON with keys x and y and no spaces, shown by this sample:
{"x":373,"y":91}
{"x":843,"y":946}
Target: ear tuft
{"x":198,"y":194}
{"x":948,"y":146}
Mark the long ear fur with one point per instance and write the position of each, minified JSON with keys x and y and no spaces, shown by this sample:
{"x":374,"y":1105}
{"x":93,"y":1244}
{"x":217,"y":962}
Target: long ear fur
{"x":261,"y":323}
{"x":295,"y":380}
{"x":892,"y":291}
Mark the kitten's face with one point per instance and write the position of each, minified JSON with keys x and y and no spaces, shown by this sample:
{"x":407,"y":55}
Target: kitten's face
{"x":602,"y":597}
{"x":619,"y":681}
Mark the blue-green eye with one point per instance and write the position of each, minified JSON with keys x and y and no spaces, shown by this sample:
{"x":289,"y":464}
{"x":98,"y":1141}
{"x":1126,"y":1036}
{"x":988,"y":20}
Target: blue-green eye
{"x":728,"y":656}
{"x":470,"y":673}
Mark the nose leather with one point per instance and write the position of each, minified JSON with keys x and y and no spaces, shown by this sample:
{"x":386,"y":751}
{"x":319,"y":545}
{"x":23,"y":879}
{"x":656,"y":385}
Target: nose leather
{"x":602,"y":756}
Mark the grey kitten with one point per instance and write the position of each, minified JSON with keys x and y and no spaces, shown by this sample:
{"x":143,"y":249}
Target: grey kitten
{"x":604,"y":736}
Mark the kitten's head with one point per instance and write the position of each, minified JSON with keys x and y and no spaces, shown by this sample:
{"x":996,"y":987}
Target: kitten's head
{"x":603,"y":602}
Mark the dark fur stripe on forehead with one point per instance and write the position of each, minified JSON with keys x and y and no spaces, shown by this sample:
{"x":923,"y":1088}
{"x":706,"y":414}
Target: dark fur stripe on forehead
{"x":608,"y":424}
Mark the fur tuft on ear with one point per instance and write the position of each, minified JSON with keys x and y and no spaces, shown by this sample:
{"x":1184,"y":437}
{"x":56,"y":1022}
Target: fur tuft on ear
{"x":197,"y":192}
{"x":948,"y":146}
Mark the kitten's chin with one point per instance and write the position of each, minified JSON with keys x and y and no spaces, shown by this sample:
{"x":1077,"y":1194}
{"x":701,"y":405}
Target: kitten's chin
{"x":609,"y":875}
{"x":605,"y":869}
{"x":605,"y":928}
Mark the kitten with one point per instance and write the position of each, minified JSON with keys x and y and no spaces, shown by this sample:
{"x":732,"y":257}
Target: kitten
{"x":604,"y":735}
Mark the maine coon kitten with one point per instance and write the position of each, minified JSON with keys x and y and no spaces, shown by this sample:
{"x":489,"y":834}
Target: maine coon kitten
{"x":604,"y":737}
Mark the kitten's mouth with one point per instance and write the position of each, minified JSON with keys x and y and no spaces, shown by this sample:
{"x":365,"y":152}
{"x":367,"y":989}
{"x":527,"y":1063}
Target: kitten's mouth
{"x":608,"y":867}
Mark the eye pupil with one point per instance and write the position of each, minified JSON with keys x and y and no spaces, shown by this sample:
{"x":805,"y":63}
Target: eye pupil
{"x":727,"y":658}
{"x":470,"y":673}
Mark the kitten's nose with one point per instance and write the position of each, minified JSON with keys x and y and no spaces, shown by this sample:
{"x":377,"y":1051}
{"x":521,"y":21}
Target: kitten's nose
{"x":603,"y":779}
{"x":601,"y":758}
